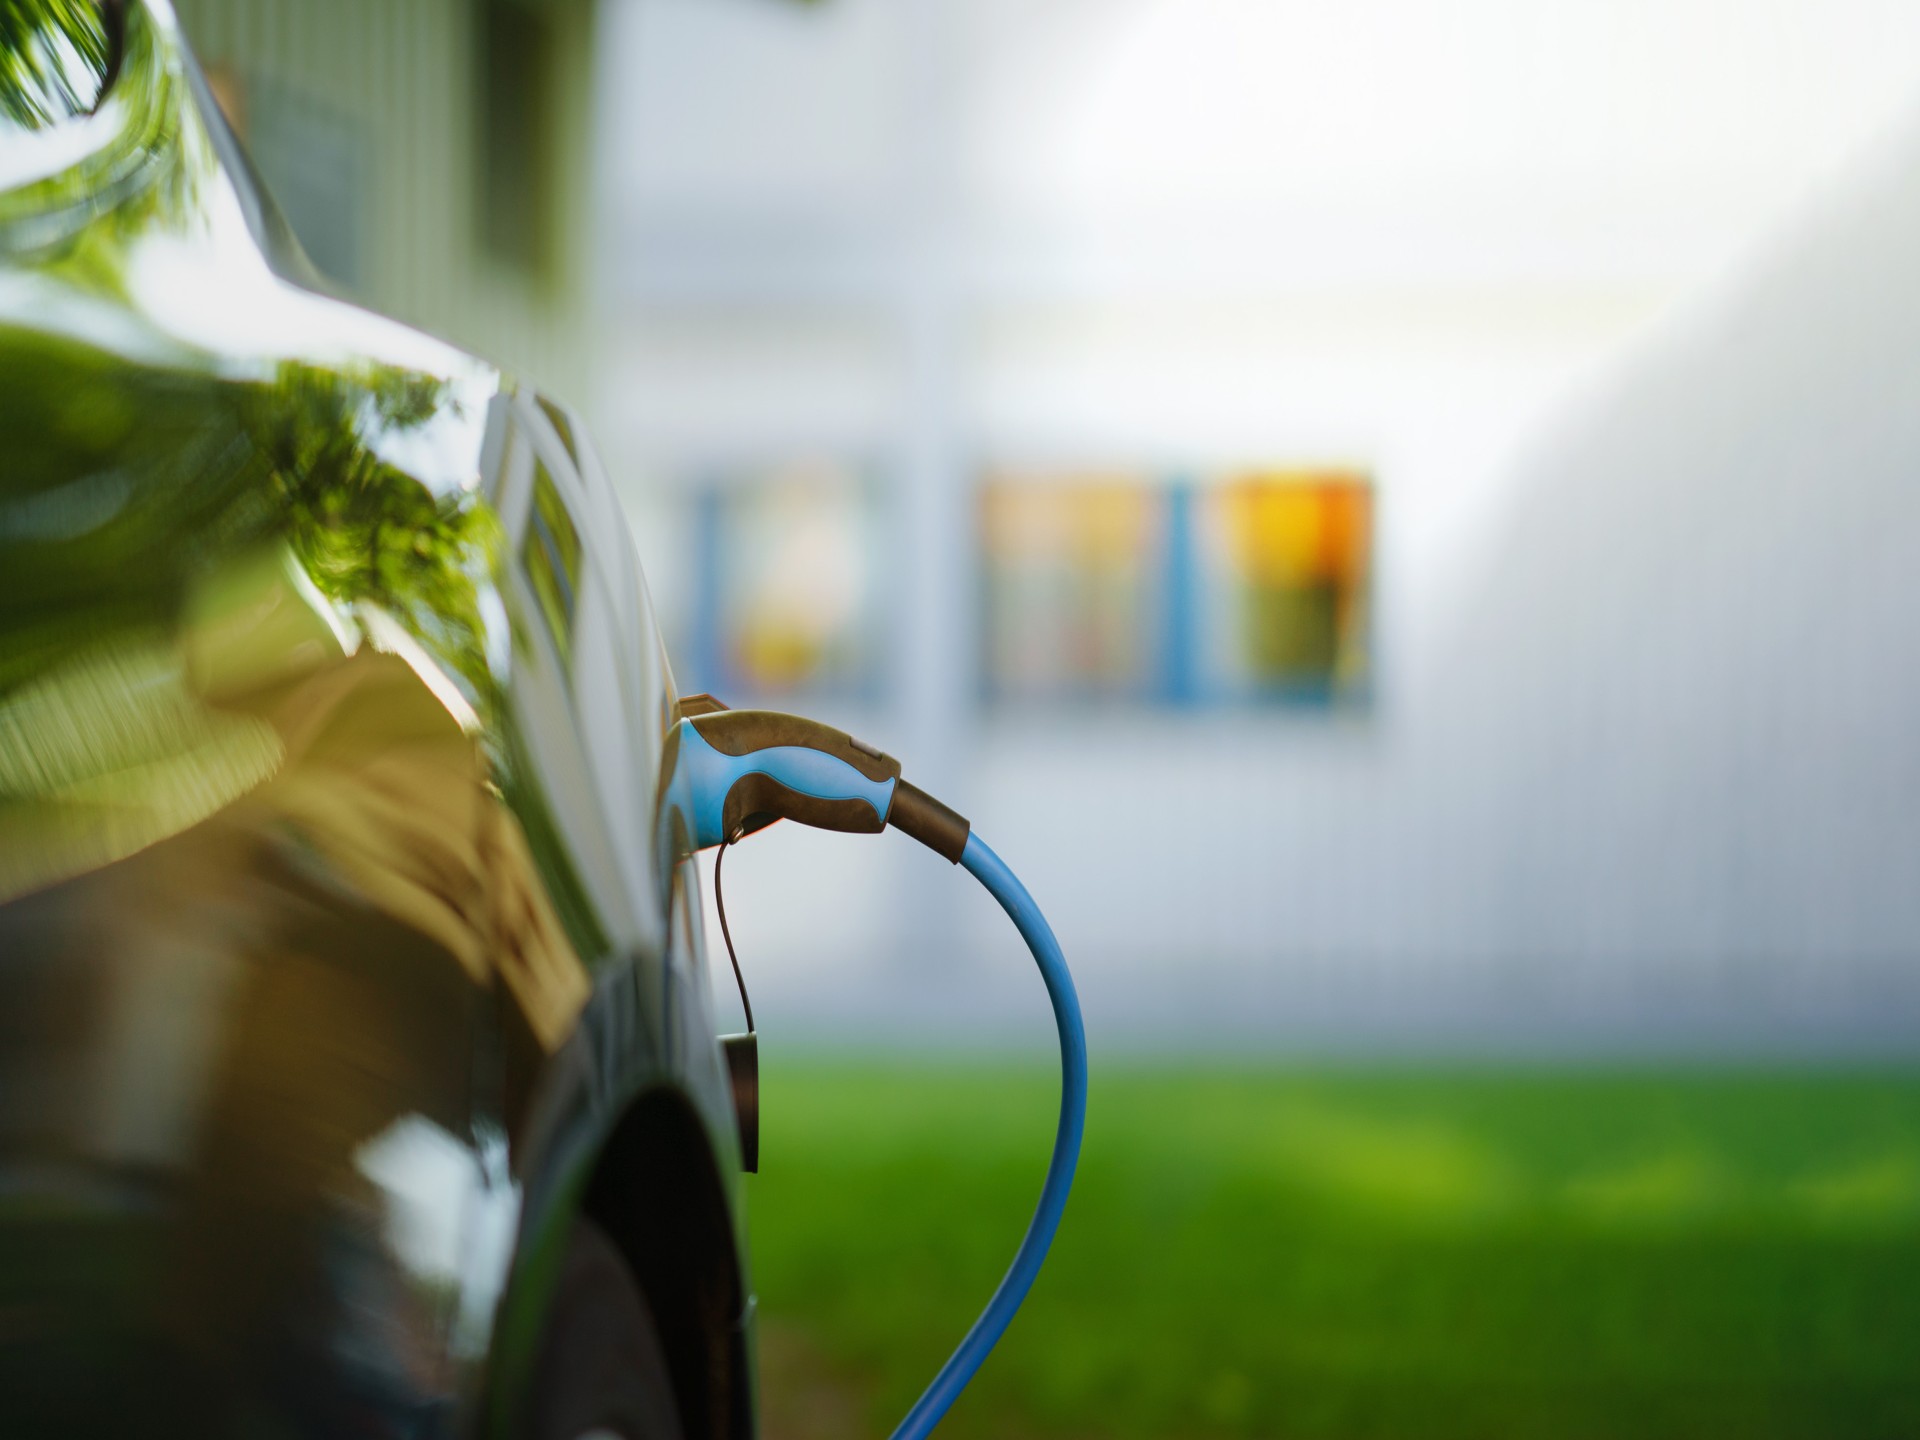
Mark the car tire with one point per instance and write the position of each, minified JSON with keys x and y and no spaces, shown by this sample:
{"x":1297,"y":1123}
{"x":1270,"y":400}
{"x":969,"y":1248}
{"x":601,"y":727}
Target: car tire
{"x":601,"y":1372}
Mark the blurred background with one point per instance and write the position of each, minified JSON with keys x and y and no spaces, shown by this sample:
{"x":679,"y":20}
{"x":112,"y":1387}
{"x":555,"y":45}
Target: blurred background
{"x":1400,"y":521}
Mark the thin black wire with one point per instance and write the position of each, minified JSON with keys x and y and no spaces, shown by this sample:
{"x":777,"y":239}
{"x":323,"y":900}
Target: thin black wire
{"x":720,"y":904}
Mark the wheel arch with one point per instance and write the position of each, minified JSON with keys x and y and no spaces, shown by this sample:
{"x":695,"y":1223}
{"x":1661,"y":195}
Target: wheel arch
{"x":654,"y":1187}
{"x":651,"y":1180}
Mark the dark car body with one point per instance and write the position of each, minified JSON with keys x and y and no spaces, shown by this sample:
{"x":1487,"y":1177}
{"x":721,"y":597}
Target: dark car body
{"x":346,"y":952}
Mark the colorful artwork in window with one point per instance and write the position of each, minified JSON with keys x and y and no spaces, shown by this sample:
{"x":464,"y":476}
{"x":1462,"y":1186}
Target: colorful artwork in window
{"x":1250,"y":587}
{"x":1285,"y":562}
{"x":1073,"y":583}
{"x":788,"y":602}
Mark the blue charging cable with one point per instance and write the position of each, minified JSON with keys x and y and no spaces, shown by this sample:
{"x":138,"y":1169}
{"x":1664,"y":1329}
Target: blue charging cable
{"x":731,"y":771}
{"x":991,"y":871}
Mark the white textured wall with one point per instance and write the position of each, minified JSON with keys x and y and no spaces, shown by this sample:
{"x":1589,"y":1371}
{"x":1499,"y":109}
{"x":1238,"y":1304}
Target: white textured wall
{"x":1656,"y":773}
{"x":1605,"y":295}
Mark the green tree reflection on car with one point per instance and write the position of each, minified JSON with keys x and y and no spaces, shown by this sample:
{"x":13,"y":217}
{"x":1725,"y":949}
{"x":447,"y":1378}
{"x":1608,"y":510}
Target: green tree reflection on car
{"x":365,"y":529}
{"x":54,"y":60}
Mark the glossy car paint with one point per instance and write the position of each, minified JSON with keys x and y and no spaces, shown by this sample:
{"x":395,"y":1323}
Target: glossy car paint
{"x":341,"y":961}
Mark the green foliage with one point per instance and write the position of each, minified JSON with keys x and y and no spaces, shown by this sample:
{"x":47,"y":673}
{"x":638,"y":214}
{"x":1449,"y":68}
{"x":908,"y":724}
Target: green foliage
{"x":128,"y":481}
{"x":1405,"y":1254}
{"x":551,"y":554}
{"x":364,"y":528}
{"x":143,"y":156}
{"x":53,"y":60}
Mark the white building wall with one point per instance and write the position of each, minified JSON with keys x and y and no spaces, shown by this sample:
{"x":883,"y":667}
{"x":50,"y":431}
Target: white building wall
{"x":1591,"y":290}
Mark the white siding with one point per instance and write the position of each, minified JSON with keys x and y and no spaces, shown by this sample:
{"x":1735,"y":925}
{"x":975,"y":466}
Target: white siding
{"x":404,"y":70}
{"x":1643,"y":761}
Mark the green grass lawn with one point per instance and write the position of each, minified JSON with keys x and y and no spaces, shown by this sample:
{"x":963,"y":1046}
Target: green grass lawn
{"x":1404,"y":1253}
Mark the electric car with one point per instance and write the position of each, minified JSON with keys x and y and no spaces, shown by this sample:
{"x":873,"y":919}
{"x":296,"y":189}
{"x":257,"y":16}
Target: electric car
{"x":357,"y":1070}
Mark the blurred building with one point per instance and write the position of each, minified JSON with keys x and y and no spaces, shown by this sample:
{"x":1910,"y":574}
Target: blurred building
{"x":1392,"y":516}
{"x":433,"y":156}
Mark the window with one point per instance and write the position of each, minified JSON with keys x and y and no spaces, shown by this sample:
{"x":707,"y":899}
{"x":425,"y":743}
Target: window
{"x":787,"y":584}
{"x":515,"y":182}
{"x":1243,"y":588}
{"x":1074,"y":586}
{"x":1283,"y":589}
{"x":551,"y":553}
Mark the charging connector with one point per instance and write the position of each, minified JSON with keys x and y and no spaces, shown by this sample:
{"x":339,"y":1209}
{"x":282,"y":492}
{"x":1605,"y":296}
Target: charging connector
{"x":731,"y":772}
{"x":737,"y":771}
